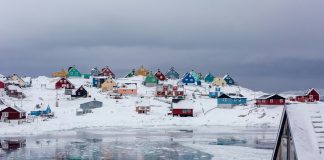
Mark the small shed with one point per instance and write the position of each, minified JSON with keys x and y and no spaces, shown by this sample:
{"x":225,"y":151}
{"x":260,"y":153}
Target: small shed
{"x":172,"y":74}
{"x":74,"y":72}
{"x":15,"y":91}
{"x":80,"y":92}
{"x":150,"y":80}
{"x":209,"y":78}
{"x":91,"y":105}
{"x":160,"y":76}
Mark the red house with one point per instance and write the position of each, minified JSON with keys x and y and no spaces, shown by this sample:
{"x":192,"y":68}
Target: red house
{"x":2,"y":85}
{"x":311,"y":96}
{"x":64,"y":83}
{"x":182,"y":109}
{"x":270,"y":100}
{"x":160,"y":76}
{"x":106,"y":71}
{"x":12,"y":113}
{"x":169,"y":90}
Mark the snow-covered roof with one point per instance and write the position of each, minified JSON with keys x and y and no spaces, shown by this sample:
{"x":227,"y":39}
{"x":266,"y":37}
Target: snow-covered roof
{"x":13,"y":87}
{"x":184,"y":104}
{"x":267,"y":96}
{"x":309,"y":90}
{"x":27,"y":79}
{"x":127,"y":85}
{"x":306,"y":138}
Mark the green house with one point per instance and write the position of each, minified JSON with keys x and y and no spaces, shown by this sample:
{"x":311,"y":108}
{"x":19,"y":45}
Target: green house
{"x":86,"y":76}
{"x":130,"y":74}
{"x":209,"y":78}
{"x":151,"y":80}
{"x":73,"y":72}
{"x":195,"y":75}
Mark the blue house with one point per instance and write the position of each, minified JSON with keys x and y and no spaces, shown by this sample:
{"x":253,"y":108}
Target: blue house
{"x":188,"y":79}
{"x":45,"y":112}
{"x":231,"y":100}
{"x":215,"y":92}
{"x":229,"y":80}
{"x":97,"y":81}
{"x":95,"y":71}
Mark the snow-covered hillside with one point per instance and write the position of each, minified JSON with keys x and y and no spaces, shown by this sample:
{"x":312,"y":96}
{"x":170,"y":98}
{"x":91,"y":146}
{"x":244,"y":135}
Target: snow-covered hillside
{"x":122,"y":112}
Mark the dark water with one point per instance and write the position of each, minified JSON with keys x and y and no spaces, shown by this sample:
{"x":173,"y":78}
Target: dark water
{"x":125,"y":143}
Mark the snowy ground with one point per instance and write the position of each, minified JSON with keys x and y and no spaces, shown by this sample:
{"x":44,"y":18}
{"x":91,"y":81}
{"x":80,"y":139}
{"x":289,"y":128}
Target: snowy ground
{"x":122,"y":112}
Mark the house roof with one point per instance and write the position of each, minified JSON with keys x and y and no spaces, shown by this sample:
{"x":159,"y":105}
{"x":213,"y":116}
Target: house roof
{"x":275,"y":96}
{"x":231,"y":95}
{"x":13,"y":87}
{"x":310,"y":90}
{"x":306,"y":140}
{"x":186,"y":104}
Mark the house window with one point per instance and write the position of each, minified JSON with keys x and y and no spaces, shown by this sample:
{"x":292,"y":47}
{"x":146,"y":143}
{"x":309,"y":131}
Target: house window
{"x":263,"y":101}
{"x":191,"y":80}
{"x":271,"y":100}
{"x":5,"y":114}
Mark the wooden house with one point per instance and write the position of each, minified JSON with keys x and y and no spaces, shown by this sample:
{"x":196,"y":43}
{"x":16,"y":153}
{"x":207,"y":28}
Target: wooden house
{"x":219,"y":82}
{"x":188,"y":79}
{"x":62,"y":73}
{"x":143,"y":107}
{"x":64,"y":83}
{"x":270,"y":100}
{"x":311,"y":96}
{"x":108,"y":85}
{"x":172,"y":74}
{"x":142,"y":72}
{"x":229,"y":80}
{"x":10,"y":114}
{"x":2,"y":85}
{"x":160,"y":76}
{"x":98,"y":81}
{"x":12,"y":144}
{"x":182,"y":109}
{"x":95,"y":72}
{"x":209,"y":78}
{"x":215,"y":92}
{"x":300,"y":135}
{"x":168,"y":90}
{"x":17,"y":80}
{"x":231,"y":100}
{"x":131,"y":74}
{"x":150,"y":80}
{"x":80,"y":92}
{"x":106,"y":71}
{"x":74,"y":72}
{"x":14,"y":91}
{"x":126,"y":88}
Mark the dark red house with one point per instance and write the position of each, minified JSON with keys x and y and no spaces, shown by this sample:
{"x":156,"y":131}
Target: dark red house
{"x":81,"y":92}
{"x":14,"y":91}
{"x":311,"y":96}
{"x":270,"y":100}
{"x":106,"y":71}
{"x":64,"y":83}
{"x":160,"y":76}
{"x":182,"y":109}
{"x":12,"y":113}
{"x":2,"y":85}
{"x":169,"y":90}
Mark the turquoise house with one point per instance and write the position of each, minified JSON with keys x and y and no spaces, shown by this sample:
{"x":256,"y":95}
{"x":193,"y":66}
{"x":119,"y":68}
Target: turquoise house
{"x":74,"y":72}
{"x":172,"y":74}
{"x":215,"y":92}
{"x":195,"y":75}
{"x":231,"y":100}
{"x":209,"y":78}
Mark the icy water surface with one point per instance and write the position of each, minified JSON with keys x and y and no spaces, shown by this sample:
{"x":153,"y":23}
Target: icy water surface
{"x":136,"y":143}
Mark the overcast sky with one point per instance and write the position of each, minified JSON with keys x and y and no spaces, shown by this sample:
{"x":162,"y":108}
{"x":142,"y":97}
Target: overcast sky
{"x":273,"y":45}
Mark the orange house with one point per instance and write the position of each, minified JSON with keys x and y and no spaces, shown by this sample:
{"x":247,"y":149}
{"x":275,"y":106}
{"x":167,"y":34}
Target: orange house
{"x":142,"y":72}
{"x":127,"y":89}
{"x":61,"y":73}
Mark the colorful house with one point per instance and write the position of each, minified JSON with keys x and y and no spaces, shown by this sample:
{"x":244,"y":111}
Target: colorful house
{"x":229,"y":80}
{"x":95,"y":72}
{"x":62,"y":73}
{"x":126,"y":88}
{"x":106,"y":71}
{"x":2,"y":85}
{"x":172,"y":74}
{"x":160,"y":76}
{"x":150,"y":80}
{"x":188,"y":79}
{"x":142,"y":72}
{"x":168,"y":90}
{"x":108,"y":85}
{"x":97,"y":81}
{"x":215,"y":92}
{"x":131,"y":74}
{"x":182,"y":109}
{"x":219,"y":82}
{"x":74,"y":72}
{"x":15,"y":79}
{"x":195,"y":75}
{"x":311,"y":96}
{"x":10,"y":114}
{"x":15,"y":91}
{"x":80,"y":92}
{"x":231,"y":100}
{"x":209,"y":78}
{"x":40,"y":112}
{"x":64,"y":83}
{"x":86,"y":76}
{"x":270,"y":100}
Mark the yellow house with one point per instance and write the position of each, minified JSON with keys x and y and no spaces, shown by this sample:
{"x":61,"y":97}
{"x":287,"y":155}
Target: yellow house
{"x":219,"y":81}
{"x":142,"y":72}
{"x":108,"y":85}
{"x":17,"y":80}
{"x":62,"y":73}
